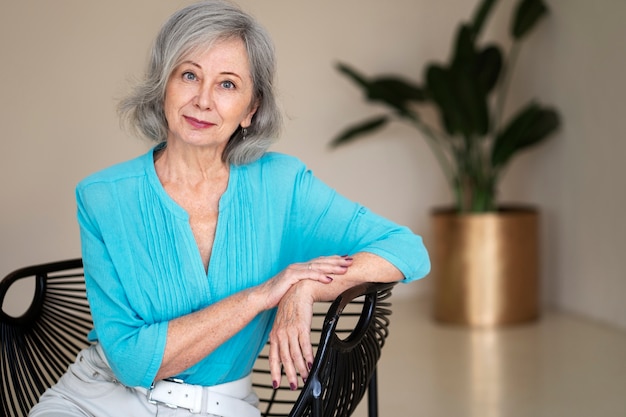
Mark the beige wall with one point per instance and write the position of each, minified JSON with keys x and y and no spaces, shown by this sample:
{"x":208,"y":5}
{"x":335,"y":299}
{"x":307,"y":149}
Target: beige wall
{"x":65,"y":62}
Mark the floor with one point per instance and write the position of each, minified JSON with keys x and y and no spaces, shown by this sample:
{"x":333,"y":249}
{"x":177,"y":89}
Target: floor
{"x":559,"y":366}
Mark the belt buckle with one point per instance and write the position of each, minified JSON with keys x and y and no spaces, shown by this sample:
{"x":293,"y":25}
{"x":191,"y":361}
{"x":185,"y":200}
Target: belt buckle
{"x":155,"y":402}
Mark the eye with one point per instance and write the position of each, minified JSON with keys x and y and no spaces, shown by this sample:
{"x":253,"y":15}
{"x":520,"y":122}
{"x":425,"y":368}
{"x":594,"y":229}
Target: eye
{"x":227,"y":84}
{"x":189,"y":76}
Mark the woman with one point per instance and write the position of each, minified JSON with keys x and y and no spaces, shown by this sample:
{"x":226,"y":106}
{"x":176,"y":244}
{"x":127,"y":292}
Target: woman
{"x":193,"y":251}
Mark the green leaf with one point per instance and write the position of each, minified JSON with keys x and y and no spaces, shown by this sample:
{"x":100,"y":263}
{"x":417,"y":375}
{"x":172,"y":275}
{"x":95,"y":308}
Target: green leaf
{"x":473,"y":102}
{"x":527,"y":14}
{"x":482,"y":12}
{"x":530,"y":126}
{"x":464,"y":49}
{"x":461,"y":101}
{"x":488,"y":67}
{"x":360,"y":129}
{"x":439,"y":83}
{"x":395,"y":88}
{"x":352,"y":74}
{"x":461,"y":90}
{"x":393,"y":91}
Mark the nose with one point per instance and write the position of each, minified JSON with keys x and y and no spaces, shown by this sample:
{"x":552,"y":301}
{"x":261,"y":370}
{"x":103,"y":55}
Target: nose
{"x":204,"y":98}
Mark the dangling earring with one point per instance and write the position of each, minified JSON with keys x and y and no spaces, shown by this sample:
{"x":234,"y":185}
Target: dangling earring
{"x":244,"y":133}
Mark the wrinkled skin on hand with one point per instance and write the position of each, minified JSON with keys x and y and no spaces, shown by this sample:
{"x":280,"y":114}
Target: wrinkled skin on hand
{"x":290,"y":339}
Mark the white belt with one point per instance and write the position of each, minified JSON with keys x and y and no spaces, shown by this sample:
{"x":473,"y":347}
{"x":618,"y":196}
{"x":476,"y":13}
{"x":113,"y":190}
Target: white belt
{"x":221,"y":400}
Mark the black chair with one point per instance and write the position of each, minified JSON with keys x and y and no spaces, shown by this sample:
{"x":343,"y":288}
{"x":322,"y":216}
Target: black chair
{"x":37,"y":346}
{"x":352,"y":332}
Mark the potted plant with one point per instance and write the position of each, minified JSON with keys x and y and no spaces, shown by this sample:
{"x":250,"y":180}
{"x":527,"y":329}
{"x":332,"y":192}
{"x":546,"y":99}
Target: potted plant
{"x":475,"y":281}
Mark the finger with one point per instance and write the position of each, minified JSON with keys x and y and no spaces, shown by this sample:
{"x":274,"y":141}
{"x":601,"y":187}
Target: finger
{"x":287,"y":363}
{"x":304,"y":273}
{"x":307,"y":353}
{"x":274,"y":361}
{"x":333,"y":259}
{"x":330,"y":264}
{"x":298,"y":360}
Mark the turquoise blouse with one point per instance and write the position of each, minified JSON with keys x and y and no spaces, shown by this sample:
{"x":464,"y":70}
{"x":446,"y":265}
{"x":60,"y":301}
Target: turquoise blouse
{"x":143,"y":267}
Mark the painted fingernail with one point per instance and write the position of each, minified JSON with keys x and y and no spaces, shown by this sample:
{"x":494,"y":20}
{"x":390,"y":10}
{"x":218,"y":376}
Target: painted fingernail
{"x":310,"y":365}
{"x":275,"y":384}
{"x":329,"y":277}
{"x":292,"y":386}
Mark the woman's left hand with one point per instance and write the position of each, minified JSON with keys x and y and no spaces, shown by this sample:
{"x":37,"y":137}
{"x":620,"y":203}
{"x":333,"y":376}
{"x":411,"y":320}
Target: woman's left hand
{"x":290,"y":338}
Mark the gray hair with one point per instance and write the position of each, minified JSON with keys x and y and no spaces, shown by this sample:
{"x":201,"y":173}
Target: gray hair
{"x":198,"y":26}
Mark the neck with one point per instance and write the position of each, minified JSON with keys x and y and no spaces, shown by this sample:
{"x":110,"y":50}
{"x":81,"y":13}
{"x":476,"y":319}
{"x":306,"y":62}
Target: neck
{"x":190,"y":165}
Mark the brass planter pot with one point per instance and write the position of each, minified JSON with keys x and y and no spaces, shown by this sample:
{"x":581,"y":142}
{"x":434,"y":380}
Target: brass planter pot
{"x":485,"y":267}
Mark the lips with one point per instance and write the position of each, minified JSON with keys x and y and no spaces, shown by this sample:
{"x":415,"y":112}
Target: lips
{"x":198,"y":124}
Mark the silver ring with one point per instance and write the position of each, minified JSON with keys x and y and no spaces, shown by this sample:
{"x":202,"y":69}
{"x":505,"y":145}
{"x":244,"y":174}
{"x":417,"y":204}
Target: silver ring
{"x":310,"y":266}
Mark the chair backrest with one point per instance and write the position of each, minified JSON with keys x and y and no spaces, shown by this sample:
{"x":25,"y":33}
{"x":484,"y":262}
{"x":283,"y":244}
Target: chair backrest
{"x":351,"y":336}
{"x":38,"y":345}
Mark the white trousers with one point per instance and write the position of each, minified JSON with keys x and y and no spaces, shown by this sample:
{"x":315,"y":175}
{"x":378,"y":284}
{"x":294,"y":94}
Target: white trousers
{"x":89,"y":389}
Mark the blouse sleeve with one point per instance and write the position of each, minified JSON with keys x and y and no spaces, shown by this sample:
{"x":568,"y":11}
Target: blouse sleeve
{"x":330,"y":224}
{"x":133,"y":346}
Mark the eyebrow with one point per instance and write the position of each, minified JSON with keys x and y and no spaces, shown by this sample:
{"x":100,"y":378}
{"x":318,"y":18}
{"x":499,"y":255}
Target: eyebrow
{"x":195,"y":64}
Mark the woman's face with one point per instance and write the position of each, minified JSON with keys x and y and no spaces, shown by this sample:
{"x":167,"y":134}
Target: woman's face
{"x":209,"y":95}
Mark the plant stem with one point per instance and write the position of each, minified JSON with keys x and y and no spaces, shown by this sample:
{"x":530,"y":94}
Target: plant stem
{"x":433,"y":141}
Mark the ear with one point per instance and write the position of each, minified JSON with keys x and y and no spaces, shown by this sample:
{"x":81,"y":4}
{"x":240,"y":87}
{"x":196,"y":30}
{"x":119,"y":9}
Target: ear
{"x":247,"y":121}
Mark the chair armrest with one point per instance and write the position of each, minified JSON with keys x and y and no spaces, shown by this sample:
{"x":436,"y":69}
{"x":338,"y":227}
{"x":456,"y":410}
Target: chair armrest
{"x":342,"y":368}
{"x":40,"y":272}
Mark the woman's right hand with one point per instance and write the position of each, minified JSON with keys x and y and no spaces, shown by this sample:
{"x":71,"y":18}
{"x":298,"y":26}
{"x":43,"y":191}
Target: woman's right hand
{"x":323,"y":269}
{"x":290,"y":340}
